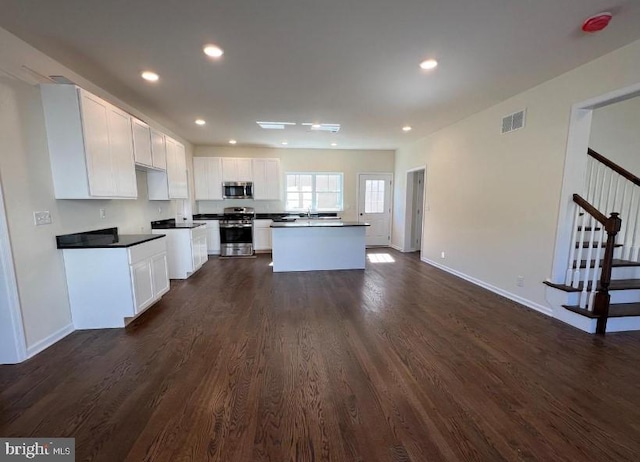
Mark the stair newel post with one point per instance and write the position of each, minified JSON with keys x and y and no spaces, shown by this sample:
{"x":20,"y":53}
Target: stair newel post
{"x":603,"y":298}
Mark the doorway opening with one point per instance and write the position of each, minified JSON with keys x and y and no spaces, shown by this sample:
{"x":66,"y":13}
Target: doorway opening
{"x":414,"y":217}
{"x":575,"y":168}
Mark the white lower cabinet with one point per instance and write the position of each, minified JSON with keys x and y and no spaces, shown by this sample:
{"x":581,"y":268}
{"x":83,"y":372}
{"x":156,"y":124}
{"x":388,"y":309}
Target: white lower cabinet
{"x":186,"y":250}
{"x":110,"y":286}
{"x":213,"y":236}
{"x":160,"y":272}
{"x":142,"y":277}
{"x":262,"y":235}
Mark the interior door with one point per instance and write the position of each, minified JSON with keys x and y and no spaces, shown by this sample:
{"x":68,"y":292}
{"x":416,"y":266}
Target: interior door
{"x":374,"y":206}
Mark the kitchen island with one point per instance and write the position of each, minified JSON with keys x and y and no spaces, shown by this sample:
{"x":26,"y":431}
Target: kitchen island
{"x":312,"y":245}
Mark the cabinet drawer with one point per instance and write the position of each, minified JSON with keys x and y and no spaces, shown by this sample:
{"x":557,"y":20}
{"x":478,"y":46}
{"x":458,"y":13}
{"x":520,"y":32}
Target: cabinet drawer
{"x":146,"y":250}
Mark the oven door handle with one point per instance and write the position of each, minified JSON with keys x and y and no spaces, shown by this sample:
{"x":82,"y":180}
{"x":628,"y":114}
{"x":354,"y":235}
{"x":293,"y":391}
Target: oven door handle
{"x":236,"y":226}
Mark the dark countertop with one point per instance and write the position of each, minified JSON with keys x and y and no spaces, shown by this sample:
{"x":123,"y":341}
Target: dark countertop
{"x":317,"y":224}
{"x":103,"y":239}
{"x":208,"y":216}
{"x":171,"y":224}
{"x":278,"y":216}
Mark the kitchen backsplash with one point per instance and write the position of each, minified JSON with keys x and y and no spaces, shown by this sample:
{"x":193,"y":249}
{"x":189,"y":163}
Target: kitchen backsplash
{"x":260,"y":206}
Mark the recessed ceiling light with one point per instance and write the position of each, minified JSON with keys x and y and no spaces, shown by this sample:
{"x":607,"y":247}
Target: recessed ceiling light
{"x":406,"y":128}
{"x":429,"y":64}
{"x":213,"y":51}
{"x":232,"y":141}
{"x":284,"y":143}
{"x":334,"y":144}
{"x":150,"y":76}
{"x":200,"y":122}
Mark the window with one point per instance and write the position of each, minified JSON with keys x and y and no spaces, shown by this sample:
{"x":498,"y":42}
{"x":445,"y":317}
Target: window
{"x":374,"y":196}
{"x":320,"y":192}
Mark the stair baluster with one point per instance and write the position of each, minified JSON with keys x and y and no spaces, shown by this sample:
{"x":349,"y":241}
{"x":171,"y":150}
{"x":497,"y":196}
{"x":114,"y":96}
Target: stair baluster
{"x":573,"y":274}
{"x":580,"y":246}
{"x":584,"y":296}
{"x":596,"y":267}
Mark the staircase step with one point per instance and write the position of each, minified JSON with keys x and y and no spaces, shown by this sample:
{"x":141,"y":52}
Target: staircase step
{"x":615,"y":263}
{"x":619,"y":310}
{"x":586,"y":244}
{"x":618,"y":284}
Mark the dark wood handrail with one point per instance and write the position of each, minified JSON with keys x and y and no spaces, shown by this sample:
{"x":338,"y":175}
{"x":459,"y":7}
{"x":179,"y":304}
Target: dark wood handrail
{"x":615,"y":167}
{"x":590,"y":209}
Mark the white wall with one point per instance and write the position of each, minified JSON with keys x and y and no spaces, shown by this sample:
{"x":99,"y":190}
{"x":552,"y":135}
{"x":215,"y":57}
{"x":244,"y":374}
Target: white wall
{"x":350,"y":162}
{"x":493,"y":199}
{"x":26,"y":178}
{"x":615,"y":133}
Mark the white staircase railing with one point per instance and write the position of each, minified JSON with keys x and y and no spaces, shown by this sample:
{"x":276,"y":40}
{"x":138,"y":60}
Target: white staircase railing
{"x":584,"y":263}
{"x":612,"y":189}
{"x":591,"y":259}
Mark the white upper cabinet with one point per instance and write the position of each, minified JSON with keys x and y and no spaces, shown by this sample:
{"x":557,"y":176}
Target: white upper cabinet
{"x":121,"y":144}
{"x":266,"y":179}
{"x":207,"y":178}
{"x":173,"y":183}
{"x":142,"y":143}
{"x":90,"y":145}
{"x":177,"y":170}
{"x":236,"y":169}
{"x":158,"y":149}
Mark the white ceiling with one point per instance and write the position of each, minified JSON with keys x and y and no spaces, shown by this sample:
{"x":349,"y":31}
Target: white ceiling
{"x":352,"y":62}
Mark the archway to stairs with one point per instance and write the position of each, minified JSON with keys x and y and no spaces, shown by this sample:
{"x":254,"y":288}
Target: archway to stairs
{"x":575,"y":169}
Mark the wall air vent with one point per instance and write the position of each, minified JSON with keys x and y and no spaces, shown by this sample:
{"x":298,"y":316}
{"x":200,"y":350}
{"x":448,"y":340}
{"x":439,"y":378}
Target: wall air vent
{"x":274,"y":125}
{"x":513,"y":121}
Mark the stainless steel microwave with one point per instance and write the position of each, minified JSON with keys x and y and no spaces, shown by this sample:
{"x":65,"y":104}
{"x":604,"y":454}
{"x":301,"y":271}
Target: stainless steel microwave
{"x":237,"y":190}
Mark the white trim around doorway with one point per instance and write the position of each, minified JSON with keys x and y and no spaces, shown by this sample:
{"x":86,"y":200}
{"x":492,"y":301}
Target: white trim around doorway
{"x":7,"y":271}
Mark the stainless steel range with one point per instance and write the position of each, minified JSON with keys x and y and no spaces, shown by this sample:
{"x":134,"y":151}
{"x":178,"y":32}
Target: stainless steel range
{"x":236,"y":232}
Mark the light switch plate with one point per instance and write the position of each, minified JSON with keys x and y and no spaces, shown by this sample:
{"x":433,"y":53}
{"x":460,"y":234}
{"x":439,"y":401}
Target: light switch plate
{"x":42,"y":218}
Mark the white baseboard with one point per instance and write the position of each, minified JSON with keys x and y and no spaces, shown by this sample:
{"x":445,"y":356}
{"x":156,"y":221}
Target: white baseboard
{"x":397,"y":247}
{"x":48,"y":341}
{"x":511,"y":296}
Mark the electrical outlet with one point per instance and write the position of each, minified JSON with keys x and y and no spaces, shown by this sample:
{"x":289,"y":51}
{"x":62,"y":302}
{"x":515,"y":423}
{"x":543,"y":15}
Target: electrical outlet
{"x":442,"y":254}
{"x":520,"y":281}
{"x":159,"y":210}
{"x":103,"y":213}
{"x":42,"y":218}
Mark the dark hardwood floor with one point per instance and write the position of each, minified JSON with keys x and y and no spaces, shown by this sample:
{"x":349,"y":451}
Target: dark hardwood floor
{"x":401,"y":362}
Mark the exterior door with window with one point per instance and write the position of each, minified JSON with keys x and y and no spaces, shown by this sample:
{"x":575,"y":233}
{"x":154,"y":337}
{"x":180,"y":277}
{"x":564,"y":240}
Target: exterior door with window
{"x":374,"y":206}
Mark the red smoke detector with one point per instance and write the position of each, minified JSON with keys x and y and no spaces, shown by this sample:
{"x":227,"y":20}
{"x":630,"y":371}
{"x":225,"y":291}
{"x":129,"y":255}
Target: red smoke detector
{"x":596,"y":23}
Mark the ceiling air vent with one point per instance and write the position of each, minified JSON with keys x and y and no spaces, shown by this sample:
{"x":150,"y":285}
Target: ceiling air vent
{"x":274,"y":125}
{"x":333,"y":128}
{"x":513,"y":121}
